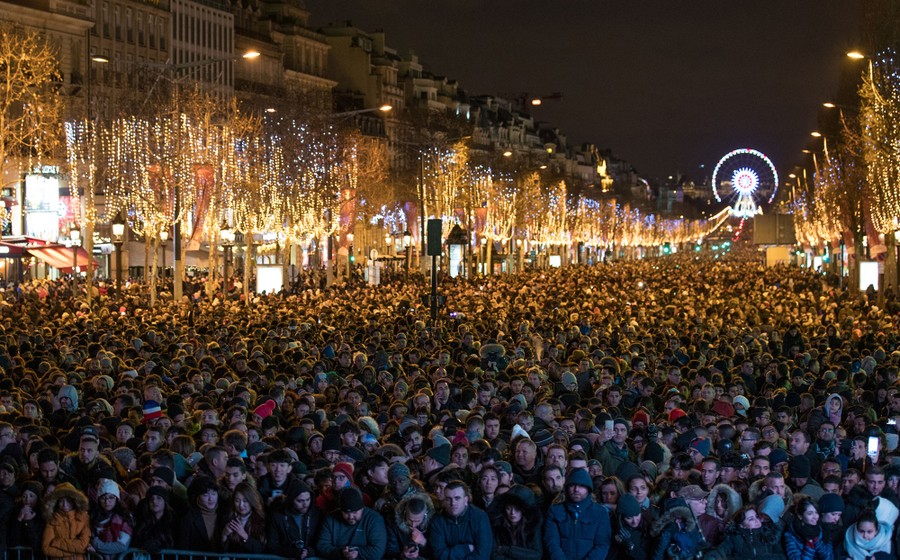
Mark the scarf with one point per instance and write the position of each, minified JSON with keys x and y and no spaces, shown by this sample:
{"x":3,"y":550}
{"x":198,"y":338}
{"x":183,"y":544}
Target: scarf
{"x":858,"y":548}
{"x":111,"y":528}
{"x":806,"y":531}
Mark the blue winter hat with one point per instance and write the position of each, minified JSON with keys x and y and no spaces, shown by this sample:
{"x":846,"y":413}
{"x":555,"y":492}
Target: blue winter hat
{"x":628,"y":506}
{"x":580,"y":477}
{"x":701,"y":446}
{"x":831,"y":502}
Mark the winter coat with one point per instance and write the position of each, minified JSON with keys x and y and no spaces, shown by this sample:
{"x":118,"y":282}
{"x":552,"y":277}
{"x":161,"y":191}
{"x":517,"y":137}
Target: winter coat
{"x":112,"y":536}
{"x":7,"y":512}
{"x":677,"y":535}
{"x":67,"y":534}
{"x":398,"y":531}
{"x":860,"y":498}
{"x":733,"y":501}
{"x":286,"y":535}
{"x":576,"y":533}
{"x":761,"y":544}
{"x":450,"y":537}
{"x":369,"y":536}
{"x":526,"y":545}
{"x":611,"y":456}
{"x":154,"y":535}
{"x":712,"y":528}
{"x":630,"y":543}
{"x":255,"y":543}
{"x":191,"y":534}
{"x":798,"y":548}
{"x":28,"y":534}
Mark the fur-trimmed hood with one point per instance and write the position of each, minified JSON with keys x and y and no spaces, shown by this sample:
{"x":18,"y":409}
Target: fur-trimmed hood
{"x":682,"y":513}
{"x":733,"y":501}
{"x":400,"y":511}
{"x":65,"y":490}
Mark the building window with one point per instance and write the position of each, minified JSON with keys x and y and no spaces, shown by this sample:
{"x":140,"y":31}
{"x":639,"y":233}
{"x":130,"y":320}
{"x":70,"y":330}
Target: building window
{"x":140,"y":29}
{"x":129,"y":28}
{"x":106,"y":20}
{"x":151,"y":31}
{"x":118,"y":22}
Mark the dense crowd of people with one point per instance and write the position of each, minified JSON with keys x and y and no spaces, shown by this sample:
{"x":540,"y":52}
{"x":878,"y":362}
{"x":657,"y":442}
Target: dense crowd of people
{"x":674,"y":408}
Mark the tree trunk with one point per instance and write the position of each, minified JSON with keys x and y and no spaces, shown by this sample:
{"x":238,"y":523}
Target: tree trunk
{"x":154,"y":243}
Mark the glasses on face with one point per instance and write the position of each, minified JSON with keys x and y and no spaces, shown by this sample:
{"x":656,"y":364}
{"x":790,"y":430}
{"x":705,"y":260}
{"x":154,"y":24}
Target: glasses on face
{"x":8,"y":434}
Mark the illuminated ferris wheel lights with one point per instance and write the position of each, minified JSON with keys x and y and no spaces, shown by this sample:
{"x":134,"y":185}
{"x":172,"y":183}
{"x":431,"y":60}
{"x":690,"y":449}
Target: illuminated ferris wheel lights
{"x":743,"y":167}
{"x":744,"y":181}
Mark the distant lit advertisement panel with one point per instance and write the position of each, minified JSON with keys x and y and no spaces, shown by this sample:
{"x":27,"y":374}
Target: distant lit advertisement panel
{"x":269,"y":279}
{"x":868,"y":275}
{"x":43,"y":207}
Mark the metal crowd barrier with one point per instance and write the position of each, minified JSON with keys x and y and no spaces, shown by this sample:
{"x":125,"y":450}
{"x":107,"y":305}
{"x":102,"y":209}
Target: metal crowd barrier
{"x":24,"y":553}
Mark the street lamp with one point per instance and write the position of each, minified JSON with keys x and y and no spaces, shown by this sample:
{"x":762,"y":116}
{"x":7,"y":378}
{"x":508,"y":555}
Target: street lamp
{"x":164,"y":239}
{"x":407,"y":246}
{"x":118,"y":231}
{"x":75,"y":236}
{"x":227,"y":235}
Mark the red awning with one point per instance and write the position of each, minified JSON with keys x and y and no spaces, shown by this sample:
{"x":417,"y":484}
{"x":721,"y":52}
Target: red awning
{"x":10,"y":250}
{"x":61,"y":257}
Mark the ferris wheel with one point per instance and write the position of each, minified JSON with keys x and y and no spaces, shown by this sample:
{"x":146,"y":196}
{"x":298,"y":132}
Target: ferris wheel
{"x":745,"y":178}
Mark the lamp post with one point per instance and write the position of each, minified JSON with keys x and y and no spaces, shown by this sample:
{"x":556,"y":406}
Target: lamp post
{"x":407,"y":246}
{"x":164,"y":239}
{"x":118,"y":231}
{"x":75,"y":236}
{"x":227,"y":235}
{"x":484,"y":246}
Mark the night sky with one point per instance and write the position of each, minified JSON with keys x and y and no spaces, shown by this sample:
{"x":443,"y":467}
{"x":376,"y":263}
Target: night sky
{"x":668,"y":85}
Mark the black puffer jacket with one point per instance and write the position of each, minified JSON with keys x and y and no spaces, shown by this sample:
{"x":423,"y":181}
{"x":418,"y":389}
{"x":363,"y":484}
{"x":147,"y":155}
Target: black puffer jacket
{"x":630,"y":543}
{"x":760,"y":544}
{"x":522,"y":542}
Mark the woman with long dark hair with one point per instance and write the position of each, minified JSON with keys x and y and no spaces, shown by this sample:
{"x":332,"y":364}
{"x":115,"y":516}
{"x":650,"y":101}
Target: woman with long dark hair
{"x":803,"y":538}
{"x":750,"y":534}
{"x":27,"y":527}
{"x":517,"y":523}
{"x":245,"y":529}
{"x":154,"y":521}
